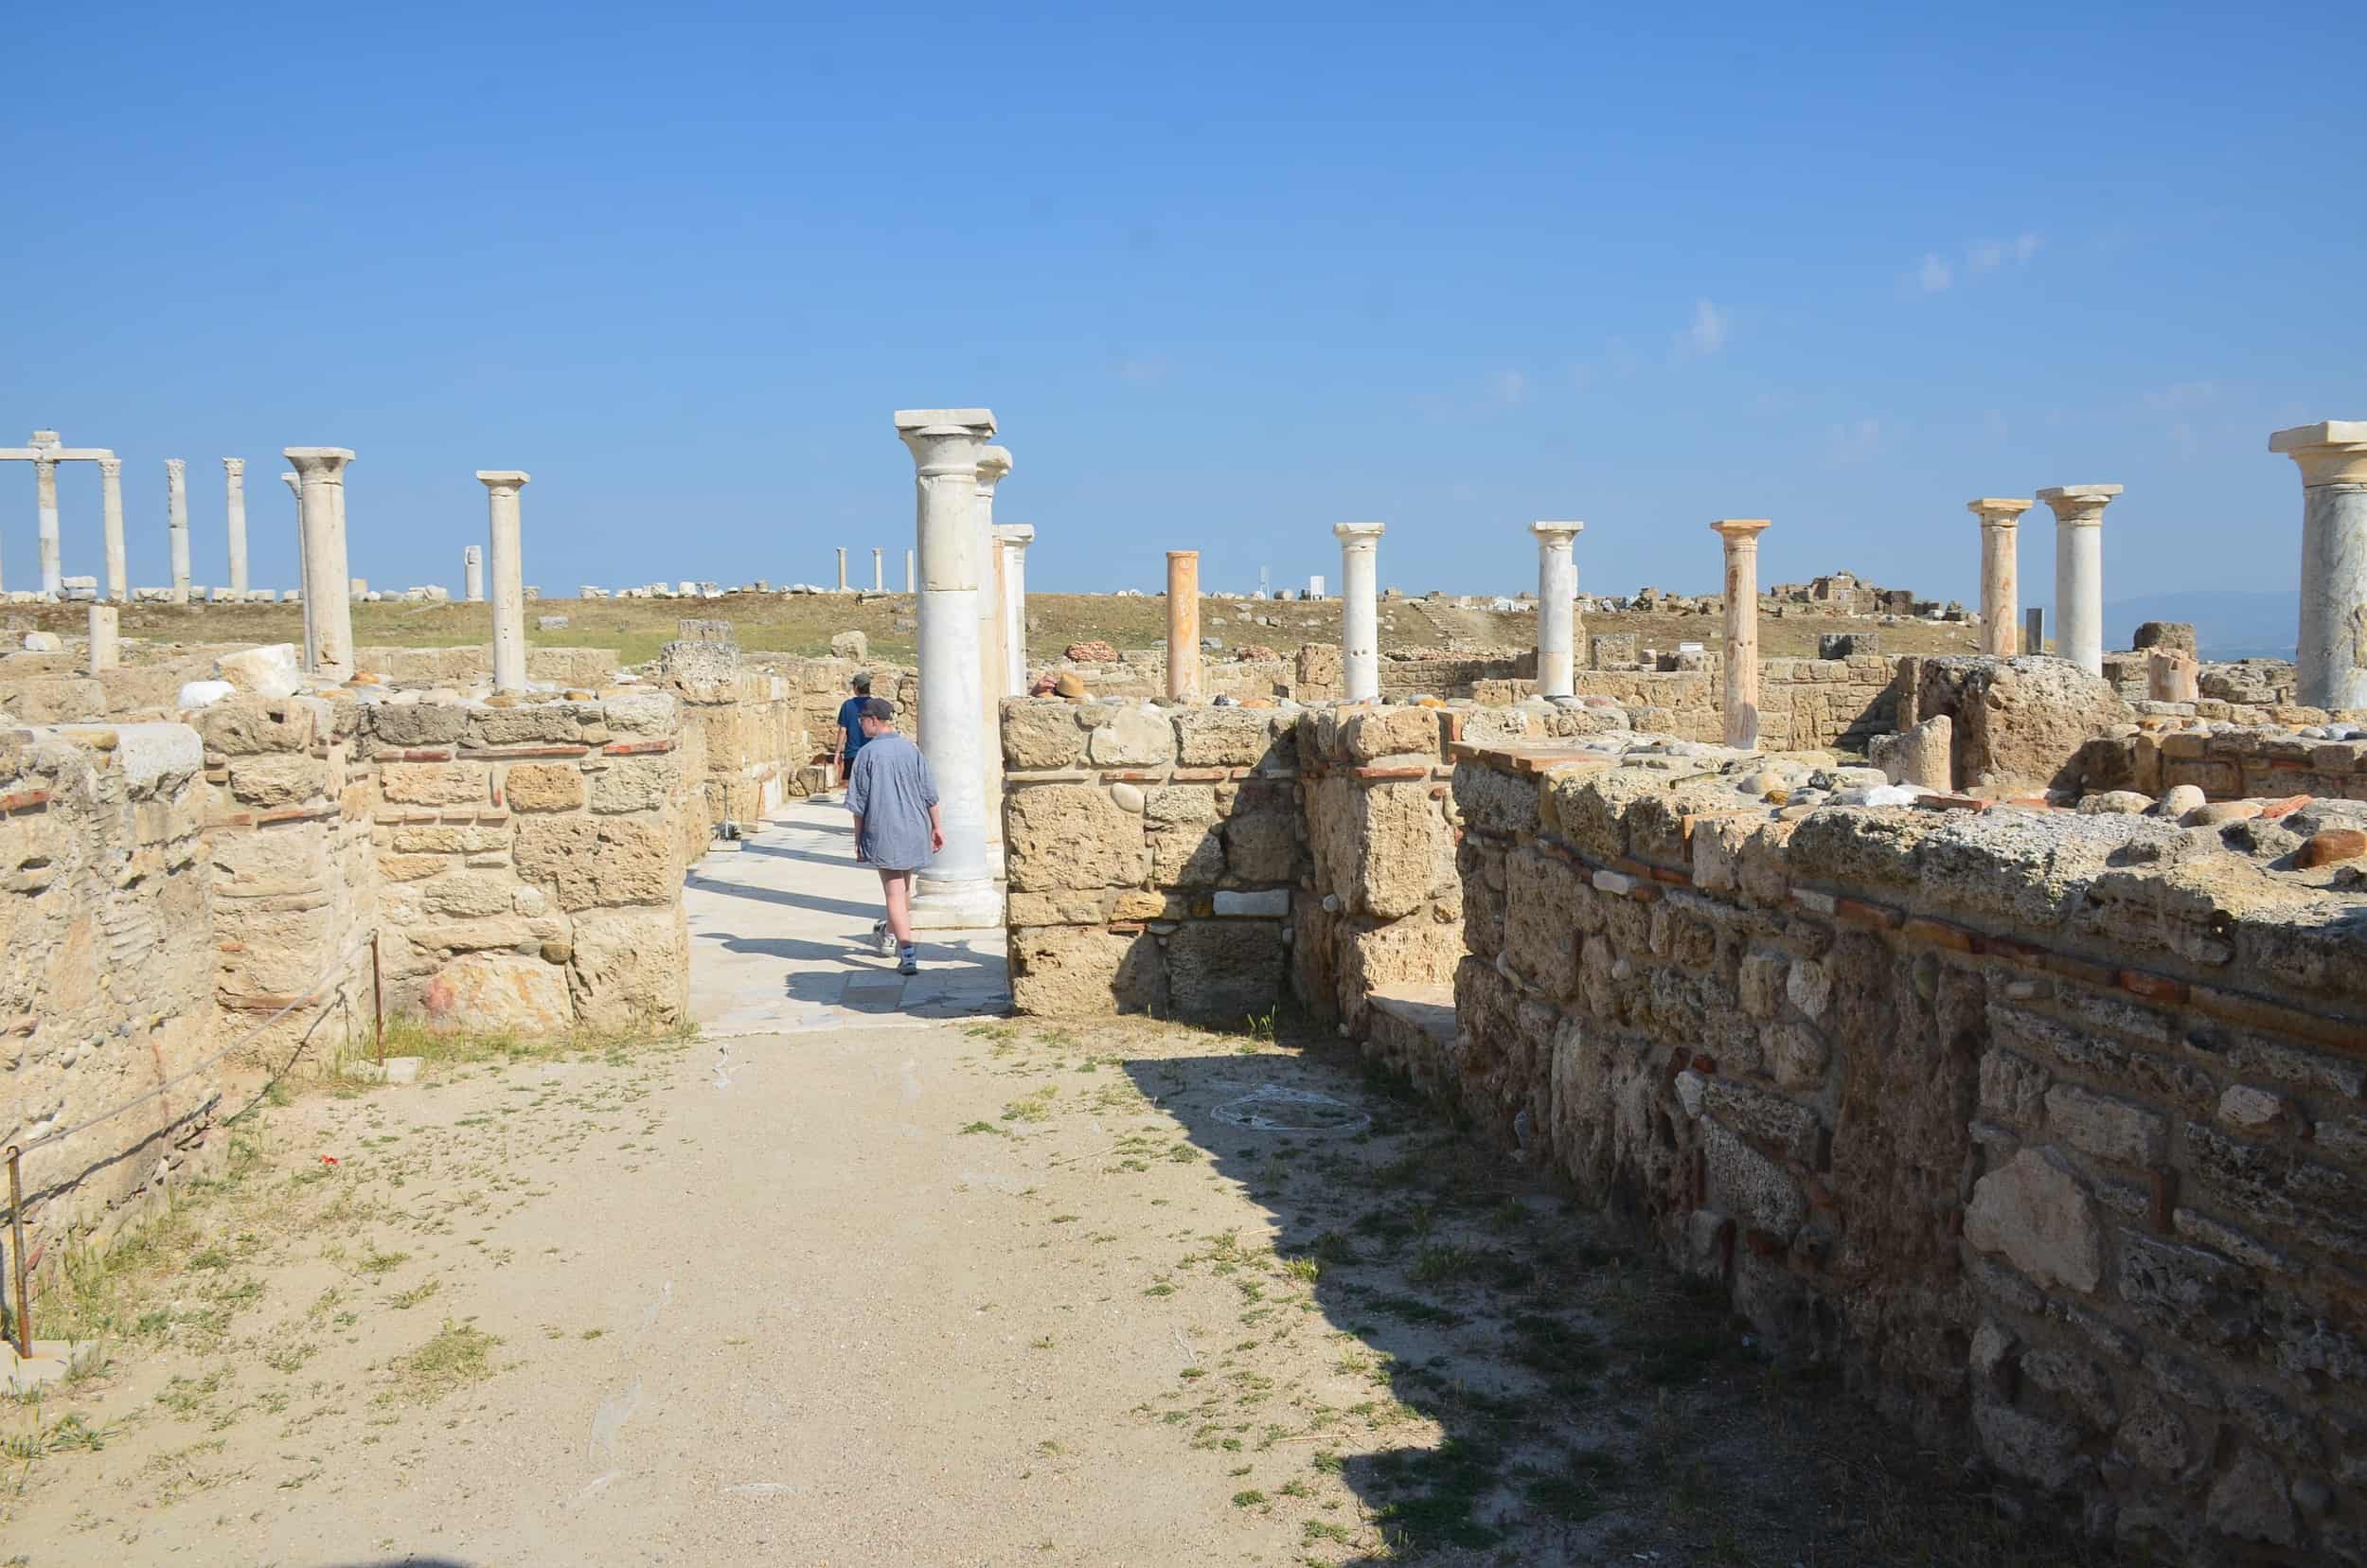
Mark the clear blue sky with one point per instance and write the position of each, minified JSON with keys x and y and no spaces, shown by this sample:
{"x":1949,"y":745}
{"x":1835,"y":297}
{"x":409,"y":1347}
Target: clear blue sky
{"x":1227,"y":275}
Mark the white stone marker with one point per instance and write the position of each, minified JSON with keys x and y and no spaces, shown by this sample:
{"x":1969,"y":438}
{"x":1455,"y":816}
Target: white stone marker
{"x":1015,"y":538}
{"x":2000,"y":580}
{"x":234,"y":503}
{"x":2079,"y":571}
{"x":111,"y":520}
{"x":994,"y":466}
{"x":1183,"y":682}
{"x":879,"y":570}
{"x":1742,"y":535}
{"x":2332,"y":659}
{"x":472,"y":573}
{"x":177,"y":522}
{"x":304,"y":564}
{"x":1557,"y":608}
{"x":510,"y":593}
{"x":102,"y":637}
{"x":328,"y":590}
{"x":957,"y":891}
{"x":1360,"y":616}
{"x":45,"y":505}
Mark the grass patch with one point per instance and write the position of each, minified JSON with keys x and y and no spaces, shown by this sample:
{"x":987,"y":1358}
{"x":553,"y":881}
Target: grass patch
{"x":458,"y":1355}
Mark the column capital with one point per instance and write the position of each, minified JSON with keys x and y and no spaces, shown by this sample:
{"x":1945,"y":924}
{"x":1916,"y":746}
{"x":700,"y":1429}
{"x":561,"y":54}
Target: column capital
{"x":323,"y":462}
{"x":1740,"y":530}
{"x":944,"y":440}
{"x":994,"y":465}
{"x":2332,"y":452}
{"x":1183,"y":555}
{"x":293,"y":481}
{"x":236,"y":467}
{"x":2080,"y":506}
{"x":502,"y":478}
{"x":1015,"y":536}
{"x":176,"y":465}
{"x":110,"y":467}
{"x":1354,"y":536}
{"x":1557,"y":534}
{"x":1999,"y":511}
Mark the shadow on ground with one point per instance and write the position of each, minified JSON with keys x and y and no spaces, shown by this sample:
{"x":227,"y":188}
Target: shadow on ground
{"x":1514,"y":1382}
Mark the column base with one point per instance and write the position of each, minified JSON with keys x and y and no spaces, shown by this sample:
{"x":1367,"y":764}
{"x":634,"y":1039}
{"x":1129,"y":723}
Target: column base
{"x":957,"y":906}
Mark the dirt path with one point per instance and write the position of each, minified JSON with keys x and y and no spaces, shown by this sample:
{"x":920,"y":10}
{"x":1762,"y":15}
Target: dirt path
{"x":961,"y":1292}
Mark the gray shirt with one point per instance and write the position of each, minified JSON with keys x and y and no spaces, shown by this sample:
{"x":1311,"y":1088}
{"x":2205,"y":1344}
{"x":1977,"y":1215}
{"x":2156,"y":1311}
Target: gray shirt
{"x":892,"y":791}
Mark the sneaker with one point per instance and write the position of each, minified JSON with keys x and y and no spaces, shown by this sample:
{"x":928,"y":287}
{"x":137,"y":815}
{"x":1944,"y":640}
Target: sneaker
{"x":909,"y":963}
{"x":883,"y":939}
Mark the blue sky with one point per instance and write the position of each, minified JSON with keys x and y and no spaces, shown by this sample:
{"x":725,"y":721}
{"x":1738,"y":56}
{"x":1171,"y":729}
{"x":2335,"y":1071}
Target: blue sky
{"x":1226,"y":275}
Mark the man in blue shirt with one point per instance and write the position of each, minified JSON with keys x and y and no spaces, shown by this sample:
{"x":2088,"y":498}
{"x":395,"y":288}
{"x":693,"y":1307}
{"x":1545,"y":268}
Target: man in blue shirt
{"x":851,"y":729}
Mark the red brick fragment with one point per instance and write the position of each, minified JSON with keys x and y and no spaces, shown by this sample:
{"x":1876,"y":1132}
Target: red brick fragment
{"x":1859,"y":911}
{"x":1938,"y":932}
{"x":2285,"y":808}
{"x":2154,"y":988}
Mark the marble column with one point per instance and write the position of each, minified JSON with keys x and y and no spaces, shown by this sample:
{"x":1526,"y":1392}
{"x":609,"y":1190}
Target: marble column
{"x":1557,"y":608}
{"x":234,"y":503}
{"x":177,"y":524}
{"x":958,"y":890}
{"x":2333,"y":655}
{"x":1015,"y":538}
{"x":111,"y":518}
{"x":104,"y":650}
{"x":842,"y":568}
{"x":45,"y":507}
{"x":994,"y":466}
{"x":911,"y":577}
{"x":328,"y":593}
{"x":879,"y":570}
{"x":1360,"y":612}
{"x":1183,"y":682}
{"x":472,"y":573}
{"x":304,"y":562}
{"x":2079,"y":571}
{"x":2001,"y":583}
{"x":1742,"y":535}
{"x":509,"y":578}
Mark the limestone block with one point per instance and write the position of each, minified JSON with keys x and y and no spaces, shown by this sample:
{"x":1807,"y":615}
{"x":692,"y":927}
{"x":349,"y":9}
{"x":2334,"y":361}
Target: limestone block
{"x":1072,"y":971}
{"x":1179,"y":805}
{"x":629,"y":967}
{"x":543,"y":787}
{"x":588,"y":861}
{"x":2026,"y":1447}
{"x":1225,"y":738}
{"x":2020,"y":724}
{"x":449,"y":839}
{"x":641,"y":714}
{"x":2035,"y":1211}
{"x":1377,"y":848}
{"x":497,"y":994}
{"x":467,"y":895}
{"x":1060,"y":836}
{"x":2104,"y":1125}
{"x":411,"y":867}
{"x":283,"y":780}
{"x":1369,"y":735}
{"x":1393,"y":957}
{"x":850,"y":645}
{"x":417,"y":724}
{"x":1065,"y":907}
{"x":434,"y":784}
{"x":1186,"y":857}
{"x":1224,"y":972}
{"x":527,"y":724}
{"x":1919,"y":755}
{"x":269,"y":672}
{"x":1041,"y":733}
{"x":1542,"y":919}
{"x":634,"y":784}
{"x":1132,"y":738}
{"x":251,"y":727}
{"x":1741,"y":1181}
{"x":1261,"y":841}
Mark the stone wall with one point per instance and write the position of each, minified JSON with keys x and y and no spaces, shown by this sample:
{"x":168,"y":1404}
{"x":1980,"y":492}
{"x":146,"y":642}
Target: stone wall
{"x":752,"y":744}
{"x":472,"y":664}
{"x":2046,"y":1125}
{"x":1804,"y":703}
{"x":2228,"y":764}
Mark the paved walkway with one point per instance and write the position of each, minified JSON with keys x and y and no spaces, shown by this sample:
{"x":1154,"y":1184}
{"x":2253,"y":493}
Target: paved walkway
{"x":780,"y":940}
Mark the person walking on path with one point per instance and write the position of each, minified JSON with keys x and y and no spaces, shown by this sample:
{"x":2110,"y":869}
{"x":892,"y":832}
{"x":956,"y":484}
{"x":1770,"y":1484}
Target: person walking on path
{"x":897,"y":829}
{"x":851,"y":729}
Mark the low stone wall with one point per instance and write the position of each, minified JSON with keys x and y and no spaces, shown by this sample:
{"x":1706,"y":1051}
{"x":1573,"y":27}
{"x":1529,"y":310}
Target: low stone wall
{"x":2047,"y":1126}
{"x":107,"y":970}
{"x":1804,"y":703}
{"x":815,"y":689}
{"x":578,"y":669}
{"x":2228,"y":764}
{"x":752,"y":744}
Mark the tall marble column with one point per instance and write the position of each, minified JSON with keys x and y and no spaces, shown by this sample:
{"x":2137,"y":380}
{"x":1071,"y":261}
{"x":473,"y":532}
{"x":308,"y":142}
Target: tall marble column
{"x":234,"y":501}
{"x":879,"y":570}
{"x":45,"y":507}
{"x":509,"y":578}
{"x":1015,"y":538}
{"x":2079,"y":571}
{"x":958,"y":890}
{"x":1360,"y":612}
{"x":1557,"y":608}
{"x":1741,"y":701}
{"x":2001,"y":583}
{"x":912,"y":579}
{"x":328,"y":589}
{"x":177,"y":522}
{"x":304,"y":562}
{"x":472,"y":573}
{"x":2333,"y":654}
{"x":994,"y":466}
{"x":842,"y":568}
{"x":103,"y":644}
{"x":1183,"y":682}
{"x":111,"y":520}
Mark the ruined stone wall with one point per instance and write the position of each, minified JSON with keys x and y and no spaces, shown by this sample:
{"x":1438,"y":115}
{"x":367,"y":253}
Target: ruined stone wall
{"x":753,"y":740}
{"x":809,"y":723}
{"x":1153,"y":856}
{"x":1805,"y":704}
{"x":472,"y":664}
{"x":2228,"y":764}
{"x":106,"y":967}
{"x":2047,"y":1126}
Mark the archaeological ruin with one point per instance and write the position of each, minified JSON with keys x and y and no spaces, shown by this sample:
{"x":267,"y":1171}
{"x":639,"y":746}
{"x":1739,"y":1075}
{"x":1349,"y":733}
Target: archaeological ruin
{"x":1991,"y":1026}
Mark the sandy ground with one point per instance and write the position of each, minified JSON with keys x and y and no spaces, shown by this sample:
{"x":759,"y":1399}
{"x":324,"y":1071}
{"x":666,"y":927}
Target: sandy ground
{"x":867,"y":1277}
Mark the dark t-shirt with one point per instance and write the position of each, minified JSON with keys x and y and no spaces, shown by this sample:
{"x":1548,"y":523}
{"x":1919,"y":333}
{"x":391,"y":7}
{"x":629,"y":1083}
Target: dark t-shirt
{"x":850,"y":720}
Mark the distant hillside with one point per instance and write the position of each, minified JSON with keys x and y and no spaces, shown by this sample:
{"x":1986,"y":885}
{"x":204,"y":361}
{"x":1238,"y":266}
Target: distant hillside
{"x":2227,"y":625}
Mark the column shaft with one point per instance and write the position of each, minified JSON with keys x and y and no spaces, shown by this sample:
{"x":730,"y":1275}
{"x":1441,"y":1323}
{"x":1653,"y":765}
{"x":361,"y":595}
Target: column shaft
{"x":1016,"y":537}
{"x":2332,"y":658}
{"x":509,"y":581}
{"x":304,"y":565}
{"x":1557,"y":608}
{"x":842,"y":568}
{"x":328,"y":590}
{"x":473,"y":574}
{"x":177,"y":524}
{"x":46,"y":506}
{"x":879,"y":570}
{"x":1741,"y":700}
{"x":2079,"y":571}
{"x":233,"y":501}
{"x":103,"y":654}
{"x":1183,"y":681}
{"x":2000,"y":584}
{"x":111,"y":521}
{"x":911,"y":577}
{"x":994,"y":465}
{"x":1360,"y":614}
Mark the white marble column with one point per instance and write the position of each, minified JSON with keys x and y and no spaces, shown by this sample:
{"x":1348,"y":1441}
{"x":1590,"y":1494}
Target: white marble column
{"x":234,"y":503}
{"x":2000,"y":578}
{"x":1360,"y":611}
{"x":45,"y":509}
{"x":842,"y":568}
{"x":1557,"y":608}
{"x":328,"y":593}
{"x":103,"y":646}
{"x":2333,"y":655}
{"x":1015,"y":538}
{"x":879,"y":570}
{"x":994,"y":466}
{"x":111,"y":520}
{"x":472,"y":573}
{"x":912,"y":580}
{"x":1741,"y":700}
{"x":177,"y":522}
{"x":957,"y":890}
{"x":510,"y":579}
{"x":1183,"y":681}
{"x":2079,"y":571}
{"x":304,"y":561}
